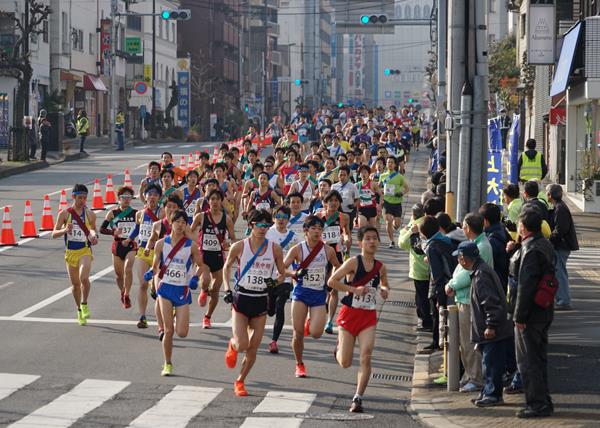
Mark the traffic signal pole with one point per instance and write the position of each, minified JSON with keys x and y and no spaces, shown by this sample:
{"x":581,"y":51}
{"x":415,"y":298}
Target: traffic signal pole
{"x":111,"y":94}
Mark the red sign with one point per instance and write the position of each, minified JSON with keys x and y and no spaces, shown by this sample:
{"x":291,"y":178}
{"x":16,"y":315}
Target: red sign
{"x":140,"y":88}
{"x":105,"y":27}
{"x":558,"y":116}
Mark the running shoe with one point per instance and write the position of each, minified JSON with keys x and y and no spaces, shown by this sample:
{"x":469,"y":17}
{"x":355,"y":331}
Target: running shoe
{"x":391,"y":245}
{"x":85,"y":310}
{"x":329,"y":327}
{"x":300,"y":370}
{"x":239,"y":389}
{"x":206,"y":322}
{"x":126,"y":301}
{"x":123,"y":298}
{"x":307,"y":327}
{"x":143,"y":322}
{"x":167,"y":370}
{"x":80,"y":318}
{"x":202,"y":298}
{"x":273,"y":349}
{"x":153,"y":293}
{"x":356,"y":406}
{"x":231,"y":357}
{"x":161,"y":334}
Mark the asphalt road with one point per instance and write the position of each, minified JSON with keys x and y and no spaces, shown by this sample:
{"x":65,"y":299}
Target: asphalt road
{"x":108,"y":372}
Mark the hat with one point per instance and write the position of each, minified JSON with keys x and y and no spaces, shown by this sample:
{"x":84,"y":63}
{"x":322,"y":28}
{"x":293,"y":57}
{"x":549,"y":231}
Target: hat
{"x":467,"y":248}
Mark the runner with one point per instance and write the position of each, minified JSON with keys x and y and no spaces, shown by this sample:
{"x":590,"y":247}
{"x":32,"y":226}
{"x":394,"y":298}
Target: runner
{"x":289,"y":170}
{"x":294,"y":201}
{"x":281,"y":235}
{"x":167,"y":178}
{"x":119,"y":223}
{"x":78,"y":226}
{"x":349,"y":193}
{"x":370,"y":198}
{"x":316,"y":204}
{"x":250,"y":184}
{"x":153,"y":177}
{"x":336,"y":233}
{"x":358,"y":316}
{"x":228,"y":187}
{"x":174,"y":259}
{"x":214,"y":226}
{"x":202,"y":203}
{"x":190,"y":194}
{"x":144,"y":220}
{"x":312,"y":258}
{"x":394,"y":187}
{"x":263,"y":198}
{"x":257,"y":258}
{"x":303,"y":186}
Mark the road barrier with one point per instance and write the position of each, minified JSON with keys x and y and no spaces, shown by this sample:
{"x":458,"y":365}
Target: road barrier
{"x":8,"y":234}
{"x":28,"y":230}
{"x":47,"y":220}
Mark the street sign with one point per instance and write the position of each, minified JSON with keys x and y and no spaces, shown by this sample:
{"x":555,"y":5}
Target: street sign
{"x":140,"y":87}
{"x":133,"y":45}
{"x":148,"y":74}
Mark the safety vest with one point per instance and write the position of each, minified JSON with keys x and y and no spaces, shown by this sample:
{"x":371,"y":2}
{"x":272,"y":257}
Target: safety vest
{"x":531,"y":169}
{"x":83,"y":125}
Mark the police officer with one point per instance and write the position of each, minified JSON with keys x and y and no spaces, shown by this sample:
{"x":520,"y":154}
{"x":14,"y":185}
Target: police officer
{"x":532,"y":165}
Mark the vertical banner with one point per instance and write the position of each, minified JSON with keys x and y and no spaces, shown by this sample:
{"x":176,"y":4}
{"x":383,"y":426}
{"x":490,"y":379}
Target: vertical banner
{"x":513,"y":149}
{"x":105,"y":27}
{"x":494,"y":169}
{"x":183,"y":85}
{"x":4,"y":124}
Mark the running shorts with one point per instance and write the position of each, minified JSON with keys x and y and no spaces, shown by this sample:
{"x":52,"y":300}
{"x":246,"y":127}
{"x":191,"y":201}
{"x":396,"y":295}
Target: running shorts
{"x":147,"y":259}
{"x":355,"y":320}
{"x":121,"y":251}
{"x":394,"y":210}
{"x":368,"y":212}
{"x":249,"y":306}
{"x":177,"y":295}
{"x":214,"y":260}
{"x":310,"y":298}
{"x":72,"y":257}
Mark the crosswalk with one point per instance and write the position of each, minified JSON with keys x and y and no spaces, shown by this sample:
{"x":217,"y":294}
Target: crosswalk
{"x":175,"y":409}
{"x":585,"y":257}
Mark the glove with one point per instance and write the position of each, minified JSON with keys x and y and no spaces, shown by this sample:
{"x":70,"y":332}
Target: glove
{"x":271,"y":283}
{"x":228,"y":298}
{"x":300,"y":273}
{"x":153,"y":293}
{"x":148,"y":275}
{"x":194,"y":282}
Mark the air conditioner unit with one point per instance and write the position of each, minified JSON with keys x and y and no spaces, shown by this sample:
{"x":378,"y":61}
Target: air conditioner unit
{"x":276,"y":58}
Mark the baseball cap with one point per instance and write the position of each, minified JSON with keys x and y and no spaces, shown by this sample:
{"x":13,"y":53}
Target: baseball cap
{"x":467,"y":248}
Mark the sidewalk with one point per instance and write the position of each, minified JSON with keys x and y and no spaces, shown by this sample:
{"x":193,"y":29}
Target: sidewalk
{"x":573,"y":366}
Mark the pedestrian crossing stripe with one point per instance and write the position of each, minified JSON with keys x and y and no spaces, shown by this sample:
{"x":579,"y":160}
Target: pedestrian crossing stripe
{"x":189,"y":401}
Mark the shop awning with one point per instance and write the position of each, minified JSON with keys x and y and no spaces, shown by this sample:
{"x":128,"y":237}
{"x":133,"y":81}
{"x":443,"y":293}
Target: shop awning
{"x":93,"y":83}
{"x":66,"y":76}
{"x":565,"y":62}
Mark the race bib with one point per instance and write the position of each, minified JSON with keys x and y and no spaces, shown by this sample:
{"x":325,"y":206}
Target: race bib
{"x":302,"y":132}
{"x":77,"y":234}
{"x":255,"y":279}
{"x":264,"y":205}
{"x":389,"y":189}
{"x":210,"y":242}
{"x":331,"y":234}
{"x":365,"y":197}
{"x":191,"y":209}
{"x":368,"y":301}
{"x":126,"y":228}
{"x":145,"y":232}
{"x":290,"y":178}
{"x":176,"y":274}
{"x":314,"y":279}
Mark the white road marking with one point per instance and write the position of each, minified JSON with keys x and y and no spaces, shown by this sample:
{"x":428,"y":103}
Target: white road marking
{"x":141,"y":147}
{"x":6,"y":285}
{"x":58,"y":296}
{"x":186,"y":146}
{"x":24,"y":241}
{"x":272,"y":422}
{"x":285,"y":402}
{"x":66,"y":409}
{"x":10,"y":383}
{"x":165,"y":146}
{"x":188,"y":400}
{"x":140,"y":166}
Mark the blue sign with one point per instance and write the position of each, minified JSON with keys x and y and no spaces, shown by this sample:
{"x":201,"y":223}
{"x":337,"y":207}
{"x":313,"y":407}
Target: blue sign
{"x":183,"y":106}
{"x":4,"y":125}
{"x":513,"y":149}
{"x":494,"y":167}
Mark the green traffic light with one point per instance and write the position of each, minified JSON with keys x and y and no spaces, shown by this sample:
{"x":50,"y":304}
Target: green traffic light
{"x":387,"y":71}
{"x":165,"y":14}
{"x":410,"y":100}
{"x":297,"y":82}
{"x":340,"y":105}
{"x":364,"y":19}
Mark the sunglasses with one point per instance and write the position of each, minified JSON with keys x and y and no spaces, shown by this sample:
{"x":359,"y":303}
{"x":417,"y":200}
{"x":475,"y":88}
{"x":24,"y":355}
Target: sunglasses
{"x":126,"y":197}
{"x":263,"y":225}
{"x":282,"y":216}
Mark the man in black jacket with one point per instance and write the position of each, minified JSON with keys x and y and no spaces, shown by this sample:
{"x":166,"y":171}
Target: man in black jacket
{"x":531,"y":191}
{"x":498,"y":237}
{"x":490,"y":327}
{"x":438,"y":249}
{"x":532,"y":322}
{"x":564,"y":240}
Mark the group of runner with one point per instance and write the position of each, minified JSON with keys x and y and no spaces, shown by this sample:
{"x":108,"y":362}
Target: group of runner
{"x":300,"y":204}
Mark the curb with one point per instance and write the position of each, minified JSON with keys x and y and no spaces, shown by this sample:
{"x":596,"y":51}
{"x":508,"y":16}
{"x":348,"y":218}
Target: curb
{"x":24,"y":168}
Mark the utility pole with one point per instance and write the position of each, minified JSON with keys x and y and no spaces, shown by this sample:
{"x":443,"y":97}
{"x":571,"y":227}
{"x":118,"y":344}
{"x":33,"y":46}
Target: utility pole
{"x":26,"y":53}
{"x":153,"y":122}
{"x":464,"y":151}
{"x":265,"y":68}
{"x":113,"y":42}
{"x":442,"y":18}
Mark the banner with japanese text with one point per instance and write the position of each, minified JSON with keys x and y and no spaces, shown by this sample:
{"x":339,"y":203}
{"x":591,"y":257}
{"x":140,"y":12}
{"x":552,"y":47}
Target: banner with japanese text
{"x":494,"y":169}
{"x":183,"y":86}
{"x":513,"y":150}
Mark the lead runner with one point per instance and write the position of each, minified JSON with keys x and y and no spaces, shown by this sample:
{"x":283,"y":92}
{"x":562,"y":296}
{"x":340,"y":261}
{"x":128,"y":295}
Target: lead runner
{"x":358,"y":316}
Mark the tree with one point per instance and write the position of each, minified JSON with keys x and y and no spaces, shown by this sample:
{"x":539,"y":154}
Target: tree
{"x":504,"y":71}
{"x":431,"y":78}
{"x":19,"y":67}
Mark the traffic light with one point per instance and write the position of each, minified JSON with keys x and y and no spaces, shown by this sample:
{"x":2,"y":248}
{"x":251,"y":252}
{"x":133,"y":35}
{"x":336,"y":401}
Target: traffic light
{"x":410,"y":100}
{"x":177,"y":14}
{"x":340,"y":105}
{"x":373,"y":19}
{"x":390,"y":71}
{"x":299,"y":82}
{"x":246,"y":108}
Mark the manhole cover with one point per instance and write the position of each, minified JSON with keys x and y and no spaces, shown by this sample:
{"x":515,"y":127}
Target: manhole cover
{"x":395,"y":378}
{"x":401,"y":303}
{"x":336,"y":416}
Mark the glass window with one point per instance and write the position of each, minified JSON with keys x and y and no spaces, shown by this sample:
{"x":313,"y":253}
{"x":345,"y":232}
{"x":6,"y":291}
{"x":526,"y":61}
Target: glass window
{"x":417,"y":12}
{"x":398,"y":11}
{"x":407,"y":12}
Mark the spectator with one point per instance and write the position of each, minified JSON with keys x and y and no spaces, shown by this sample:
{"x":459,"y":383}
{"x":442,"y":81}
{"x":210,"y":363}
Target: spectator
{"x":512,"y":201}
{"x":438,"y":249}
{"x":532,"y":322}
{"x":83,"y":126}
{"x":564,"y":240}
{"x":531,"y":190}
{"x":44,"y":130}
{"x":532,"y":165}
{"x":490,"y":327}
{"x":498,"y":237}
{"x":451,"y":229}
{"x":418,"y":267}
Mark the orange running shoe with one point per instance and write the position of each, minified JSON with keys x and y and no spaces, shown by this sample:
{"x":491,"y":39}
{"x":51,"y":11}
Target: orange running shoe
{"x":206,"y":322}
{"x":300,"y":370}
{"x":231,"y":357}
{"x":239,"y":389}
{"x":307,"y":327}
{"x":202,"y":298}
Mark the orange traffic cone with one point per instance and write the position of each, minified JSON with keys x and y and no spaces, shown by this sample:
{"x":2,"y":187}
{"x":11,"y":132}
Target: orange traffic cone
{"x":8,"y":234}
{"x":97,"y":203}
{"x":190,"y":162}
{"x":197,"y":159}
{"x":47,"y":220}
{"x":28,"y":230}
{"x":182,"y":163}
{"x":215,"y":154}
{"x":62,"y":205}
{"x":127,"y":182}
{"x":109,"y":195}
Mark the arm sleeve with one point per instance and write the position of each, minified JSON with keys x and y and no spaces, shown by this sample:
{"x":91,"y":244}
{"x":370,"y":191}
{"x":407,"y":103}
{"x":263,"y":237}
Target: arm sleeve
{"x":135,"y":232}
{"x":490,"y":301}
{"x":105,"y":230}
{"x":460,"y":279}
